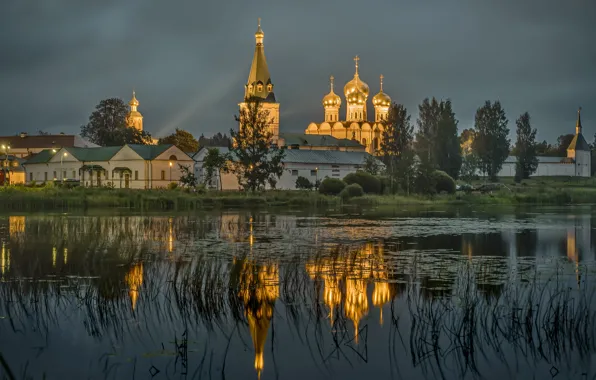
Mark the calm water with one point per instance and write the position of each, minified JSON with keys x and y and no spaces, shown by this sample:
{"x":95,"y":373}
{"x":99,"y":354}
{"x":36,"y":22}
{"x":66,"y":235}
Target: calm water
{"x":417,"y":294}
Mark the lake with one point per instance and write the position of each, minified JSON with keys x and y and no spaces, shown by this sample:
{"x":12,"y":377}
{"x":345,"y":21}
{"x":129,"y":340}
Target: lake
{"x":404,"y":294}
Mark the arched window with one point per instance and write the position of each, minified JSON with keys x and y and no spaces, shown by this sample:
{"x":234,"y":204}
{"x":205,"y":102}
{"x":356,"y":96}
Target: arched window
{"x":364,"y":142}
{"x":259,"y":87}
{"x":269,"y":87}
{"x":376,"y":143}
{"x":173,"y":158}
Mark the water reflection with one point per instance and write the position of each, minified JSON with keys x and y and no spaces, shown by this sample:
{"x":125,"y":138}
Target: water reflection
{"x":412,"y":293}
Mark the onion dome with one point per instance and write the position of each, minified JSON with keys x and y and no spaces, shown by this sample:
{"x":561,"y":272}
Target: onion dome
{"x":381,"y":99}
{"x":356,"y":97}
{"x":356,"y":85}
{"x":133,"y":102}
{"x":331,"y":99}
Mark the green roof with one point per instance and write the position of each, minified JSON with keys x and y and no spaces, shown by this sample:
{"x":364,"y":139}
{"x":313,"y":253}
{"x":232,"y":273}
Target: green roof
{"x":94,"y":154}
{"x":40,"y":158}
{"x":149,"y":152}
{"x":579,"y":143}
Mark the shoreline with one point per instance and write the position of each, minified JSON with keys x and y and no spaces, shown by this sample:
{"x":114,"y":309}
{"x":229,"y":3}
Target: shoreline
{"x":48,"y":199}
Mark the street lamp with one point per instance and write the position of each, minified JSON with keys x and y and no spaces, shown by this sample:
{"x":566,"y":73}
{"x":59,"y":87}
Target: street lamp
{"x":170,"y":171}
{"x":62,"y":171}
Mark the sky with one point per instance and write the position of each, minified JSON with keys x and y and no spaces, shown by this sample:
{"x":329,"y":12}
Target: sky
{"x":189,"y":60}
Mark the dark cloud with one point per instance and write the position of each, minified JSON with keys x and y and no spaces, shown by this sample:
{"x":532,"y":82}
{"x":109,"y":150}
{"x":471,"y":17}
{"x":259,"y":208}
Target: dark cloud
{"x":188,"y":60}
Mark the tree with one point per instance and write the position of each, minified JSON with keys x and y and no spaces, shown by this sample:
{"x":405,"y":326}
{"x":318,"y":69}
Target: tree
{"x":372,"y":165}
{"x":527,"y":163}
{"x":42,"y":133}
{"x":217,"y":140}
{"x":563,"y":142}
{"x":396,"y":146}
{"x":256,"y":160}
{"x":545,"y":149}
{"x":214,"y":162}
{"x":303,"y":183}
{"x":182,"y":139}
{"x":469,"y":167}
{"x":187,"y":178}
{"x":107,"y":125}
{"x":491,"y":144}
{"x":437,"y":140}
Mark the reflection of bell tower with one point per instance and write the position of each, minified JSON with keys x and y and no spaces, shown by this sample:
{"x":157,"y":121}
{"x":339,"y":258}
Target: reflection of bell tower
{"x":258,"y":290}
{"x":134,"y":280}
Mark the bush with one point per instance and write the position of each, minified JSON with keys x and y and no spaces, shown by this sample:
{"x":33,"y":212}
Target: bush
{"x":369,"y":183}
{"x":350,"y":191}
{"x":303,"y":183}
{"x":331,"y":186}
{"x":385,"y":184}
{"x":172,"y":185}
{"x":443,"y":182}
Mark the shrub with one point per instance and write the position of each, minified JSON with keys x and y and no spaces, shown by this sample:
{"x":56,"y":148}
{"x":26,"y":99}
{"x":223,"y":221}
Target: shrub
{"x":172,"y":185}
{"x":303,"y":183}
{"x":385,"y":184}
{"x":443,"y":182}
{"x":369,"y":183}
{"x":350,"y":191}
{"x":331,"y":186}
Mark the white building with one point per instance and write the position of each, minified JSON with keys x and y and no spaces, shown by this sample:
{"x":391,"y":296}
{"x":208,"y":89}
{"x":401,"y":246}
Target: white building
{"x":129,"y":166}
{"x":578,"y":162}
{"x":311,"y":164}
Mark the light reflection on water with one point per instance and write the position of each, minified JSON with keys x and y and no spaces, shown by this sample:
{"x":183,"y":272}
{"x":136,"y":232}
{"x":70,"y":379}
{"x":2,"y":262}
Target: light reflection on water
{"x":423,"y":295}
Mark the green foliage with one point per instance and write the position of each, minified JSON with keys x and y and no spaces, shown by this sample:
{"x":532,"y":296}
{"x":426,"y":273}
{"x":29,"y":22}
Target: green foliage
{"x":437,"y":140}
{"x":424,"y":181}
{"x":372,"y":165}
{"x":107,"y":125}
{"x":217,"y":140}
{"x":544,"y":149}
{"x":527,"y":163}
{"x":214,"y":162}
{"x":303,"y":183}
{"x":469,"y":167}
{"x":369,"y":183}
{"x":256,"y":161}
{"x":188,"y":178}
{"x":563,"y":142}
{"x":331,"y":186}
{"x":443,"y":182}
{"x":396,"y":147}
{"x":184,"y":140}
{"x":172,"y":185}
{"x":351,"y":191}
{"x":491,"y":144}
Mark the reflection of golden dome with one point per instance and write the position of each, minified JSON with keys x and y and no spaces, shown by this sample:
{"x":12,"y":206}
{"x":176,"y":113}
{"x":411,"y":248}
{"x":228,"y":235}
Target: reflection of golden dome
{"x":381,"y":99}
{"x":356,"y":86}
{"x":331,"y":99}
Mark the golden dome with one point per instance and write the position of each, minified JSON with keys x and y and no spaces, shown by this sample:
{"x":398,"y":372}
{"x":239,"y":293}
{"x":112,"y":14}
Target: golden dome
{"x":133,"y":102}
{"x":331,"y":99}
{"x":381,"y":99}
{"x":356,"y":97}
{"x":356,"y":84}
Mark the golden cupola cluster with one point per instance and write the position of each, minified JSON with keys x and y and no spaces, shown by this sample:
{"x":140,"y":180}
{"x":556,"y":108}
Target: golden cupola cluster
{"x":356,"y":92}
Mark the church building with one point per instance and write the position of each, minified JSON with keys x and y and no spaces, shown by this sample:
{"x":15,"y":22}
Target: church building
{"x":356,"y":125}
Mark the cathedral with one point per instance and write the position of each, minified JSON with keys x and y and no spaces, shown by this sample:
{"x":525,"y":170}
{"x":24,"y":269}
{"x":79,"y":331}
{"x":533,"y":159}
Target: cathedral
{"x":356,"y":128}
{"x":356,"y":125}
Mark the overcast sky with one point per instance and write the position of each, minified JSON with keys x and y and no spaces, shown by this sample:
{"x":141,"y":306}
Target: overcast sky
{"x":189,"y":60}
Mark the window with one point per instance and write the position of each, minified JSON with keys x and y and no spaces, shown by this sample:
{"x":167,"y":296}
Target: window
{"x":55,"y":175}
{"x":74,"y":174}
{"x":294,"y":172}
{"x":64,"y":174}
{"x":364,"y":142}
{"x":30,"y":176}
{"x":269,"y":87}
{"x":45,"y":176}
{"x":136,"y":174}
{"x":259,"y":87}
{"x":313,"y":172}
{"x":163,"y":175}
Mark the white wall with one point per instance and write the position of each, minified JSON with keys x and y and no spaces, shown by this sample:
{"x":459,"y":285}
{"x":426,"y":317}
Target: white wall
{"x":583,"y":163}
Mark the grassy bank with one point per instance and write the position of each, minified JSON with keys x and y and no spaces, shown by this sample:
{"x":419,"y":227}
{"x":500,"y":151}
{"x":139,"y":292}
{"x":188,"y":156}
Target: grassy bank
{"x":536,"y":192}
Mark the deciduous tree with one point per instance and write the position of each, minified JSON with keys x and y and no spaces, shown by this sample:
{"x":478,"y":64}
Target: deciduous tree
{"x":527,"y":163}
{"x":491,"y":144}
{"x":107,"y":125}
{"x":256,"y":161}
{"x":182,"y":139}
{"x":396,"y":146}
{"x":214,"y":162}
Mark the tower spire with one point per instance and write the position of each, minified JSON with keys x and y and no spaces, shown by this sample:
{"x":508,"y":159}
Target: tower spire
{"x":356,"y":59}
{"x":259,"y":34}
{"x":331,"y":82}
{"x":578,"y":125}
{"x":382,"y":82}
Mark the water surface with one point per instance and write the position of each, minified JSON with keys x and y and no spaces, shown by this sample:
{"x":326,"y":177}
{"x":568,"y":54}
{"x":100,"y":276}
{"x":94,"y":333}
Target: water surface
{"x":289,"y":295}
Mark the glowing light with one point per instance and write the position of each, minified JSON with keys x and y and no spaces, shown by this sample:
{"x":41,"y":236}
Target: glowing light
{"x":54,"y":254}
{"x":134,"y":280}
{"x":3,"y":265}
{"x":65,"y":255}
